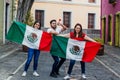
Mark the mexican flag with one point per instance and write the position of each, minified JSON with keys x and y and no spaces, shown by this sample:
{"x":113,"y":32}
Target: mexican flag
{"x":73,"y":49}
{"x":29,"y":36}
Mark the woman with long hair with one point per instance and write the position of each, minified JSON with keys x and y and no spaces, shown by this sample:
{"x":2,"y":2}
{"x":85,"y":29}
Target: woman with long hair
{"x":32,"y":52}
{"x":77,"y":35}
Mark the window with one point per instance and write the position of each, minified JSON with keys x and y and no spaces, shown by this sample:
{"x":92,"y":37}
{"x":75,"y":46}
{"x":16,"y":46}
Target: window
{"x":112,"y":1}
{"x":91,"y":20}
{"x":66,"y":18}
{"x":91,"y":1}
{"x":39,"y":16}
{"x":67,"y":0}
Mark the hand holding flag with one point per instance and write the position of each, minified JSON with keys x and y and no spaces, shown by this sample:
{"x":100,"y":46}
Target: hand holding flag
{"x":26,"y":35}
{"x":73,"y":49}
{"x":61,"y":46}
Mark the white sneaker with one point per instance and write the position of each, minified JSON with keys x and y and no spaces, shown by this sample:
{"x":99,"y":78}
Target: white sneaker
{"x":84,"y":76}
{"x":24,"y":73}
{"x":67,"y":77}
{"x":35,"y":73}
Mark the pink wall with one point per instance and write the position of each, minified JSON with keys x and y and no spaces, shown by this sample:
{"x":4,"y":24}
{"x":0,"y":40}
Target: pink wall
{"x":109,"y":8}
{"x":106,"y":10}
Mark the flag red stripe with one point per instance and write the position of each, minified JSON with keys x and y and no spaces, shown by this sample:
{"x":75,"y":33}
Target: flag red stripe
{"x":45,"y":42}
{"x":91,"y":49}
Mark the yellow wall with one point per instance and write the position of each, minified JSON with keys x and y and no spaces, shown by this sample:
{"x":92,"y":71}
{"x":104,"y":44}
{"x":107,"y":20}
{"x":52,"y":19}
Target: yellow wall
{"x":1,"y":20}
{"x":117,"y":30}
{"x":79,"y":13}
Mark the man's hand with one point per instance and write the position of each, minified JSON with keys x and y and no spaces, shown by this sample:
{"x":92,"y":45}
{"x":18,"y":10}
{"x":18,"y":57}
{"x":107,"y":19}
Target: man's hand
{"x":60,"y":24}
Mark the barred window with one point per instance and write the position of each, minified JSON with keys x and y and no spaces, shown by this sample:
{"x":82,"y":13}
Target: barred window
{"x":39,"y":16}
{"x":91,"y":20}
{"x":66,"y":18}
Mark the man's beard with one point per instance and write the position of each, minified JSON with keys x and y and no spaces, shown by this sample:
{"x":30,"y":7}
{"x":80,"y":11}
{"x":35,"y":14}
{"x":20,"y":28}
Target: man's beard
{"x":54,"y":27}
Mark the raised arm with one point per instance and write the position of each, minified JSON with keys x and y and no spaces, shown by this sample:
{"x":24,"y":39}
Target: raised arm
{"x":89,"y":39}
{"x":63,"y":26}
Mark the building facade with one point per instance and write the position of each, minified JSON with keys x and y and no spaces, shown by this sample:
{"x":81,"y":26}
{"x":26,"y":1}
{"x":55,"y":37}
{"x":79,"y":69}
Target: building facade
{"x":86,"y":12}
{"x":110,"y":22}
{"x":6,"y":12}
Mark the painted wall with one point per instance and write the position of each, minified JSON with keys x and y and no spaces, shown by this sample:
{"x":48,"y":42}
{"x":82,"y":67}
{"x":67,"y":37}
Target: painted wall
{"x":109,"y":9}
{"x":1,"y":19}
{"x":79,"y":11}
{"x":73,"y":1}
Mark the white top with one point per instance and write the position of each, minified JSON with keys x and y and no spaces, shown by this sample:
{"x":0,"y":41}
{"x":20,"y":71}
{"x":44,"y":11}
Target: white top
{"x":58,"y":29}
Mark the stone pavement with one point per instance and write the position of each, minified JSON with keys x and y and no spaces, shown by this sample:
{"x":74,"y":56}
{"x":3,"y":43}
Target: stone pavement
{"x":112,"y":50}
{"x":106,"y":67}
{"x":7,"y":49}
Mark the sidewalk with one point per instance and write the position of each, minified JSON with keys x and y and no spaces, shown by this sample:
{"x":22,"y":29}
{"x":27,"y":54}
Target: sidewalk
{"x":112,"y":50}
{"x":8,"y":48}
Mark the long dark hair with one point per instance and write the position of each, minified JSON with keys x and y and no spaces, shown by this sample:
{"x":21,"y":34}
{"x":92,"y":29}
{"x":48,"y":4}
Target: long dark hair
{"x":80,"y":33}
{"x":35,"y":23}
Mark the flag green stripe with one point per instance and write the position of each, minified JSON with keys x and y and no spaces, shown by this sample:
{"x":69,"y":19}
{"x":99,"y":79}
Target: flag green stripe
{"x":59,"y":49}
{"x":16,"y":32}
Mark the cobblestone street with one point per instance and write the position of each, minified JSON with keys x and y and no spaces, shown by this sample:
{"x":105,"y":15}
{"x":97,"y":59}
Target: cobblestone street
{"x":12,"y":59}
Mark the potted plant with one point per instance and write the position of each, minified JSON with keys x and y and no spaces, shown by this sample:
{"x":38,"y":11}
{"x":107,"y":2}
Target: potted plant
{"x":101,"y":50}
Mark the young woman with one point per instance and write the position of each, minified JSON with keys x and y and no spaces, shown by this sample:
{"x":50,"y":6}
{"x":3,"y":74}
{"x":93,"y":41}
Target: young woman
{"x":32,"y":52}
{"x":78,"y":35}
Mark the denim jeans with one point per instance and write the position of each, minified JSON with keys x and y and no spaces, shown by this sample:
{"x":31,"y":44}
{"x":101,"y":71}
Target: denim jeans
{"x":36,"y":54}
{"x":72,"y":62}
{"x":57,"y":63}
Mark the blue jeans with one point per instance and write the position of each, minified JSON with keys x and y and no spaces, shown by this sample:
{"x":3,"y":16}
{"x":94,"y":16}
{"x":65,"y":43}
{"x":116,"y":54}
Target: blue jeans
{"x":72,"y":62}
{"x":57,"y":63}
{"x":36,"y":54}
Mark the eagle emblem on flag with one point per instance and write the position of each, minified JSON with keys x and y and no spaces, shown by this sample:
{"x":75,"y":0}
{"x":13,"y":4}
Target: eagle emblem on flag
{"x":76,"y":50}
{"x":32,"y":37}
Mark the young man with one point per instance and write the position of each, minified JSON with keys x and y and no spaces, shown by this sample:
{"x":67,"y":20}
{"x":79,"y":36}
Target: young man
{"x":56,"y":28}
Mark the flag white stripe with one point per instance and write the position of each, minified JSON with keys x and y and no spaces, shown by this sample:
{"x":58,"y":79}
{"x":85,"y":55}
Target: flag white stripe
{"x":32,"y":42}
{"x":77,"y":54}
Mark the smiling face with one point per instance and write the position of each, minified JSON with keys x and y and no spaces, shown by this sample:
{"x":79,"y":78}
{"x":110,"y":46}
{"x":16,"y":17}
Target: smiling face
{"x":77,"y":29}
{"x":53,"y":24}
{"x":37,"y":25}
